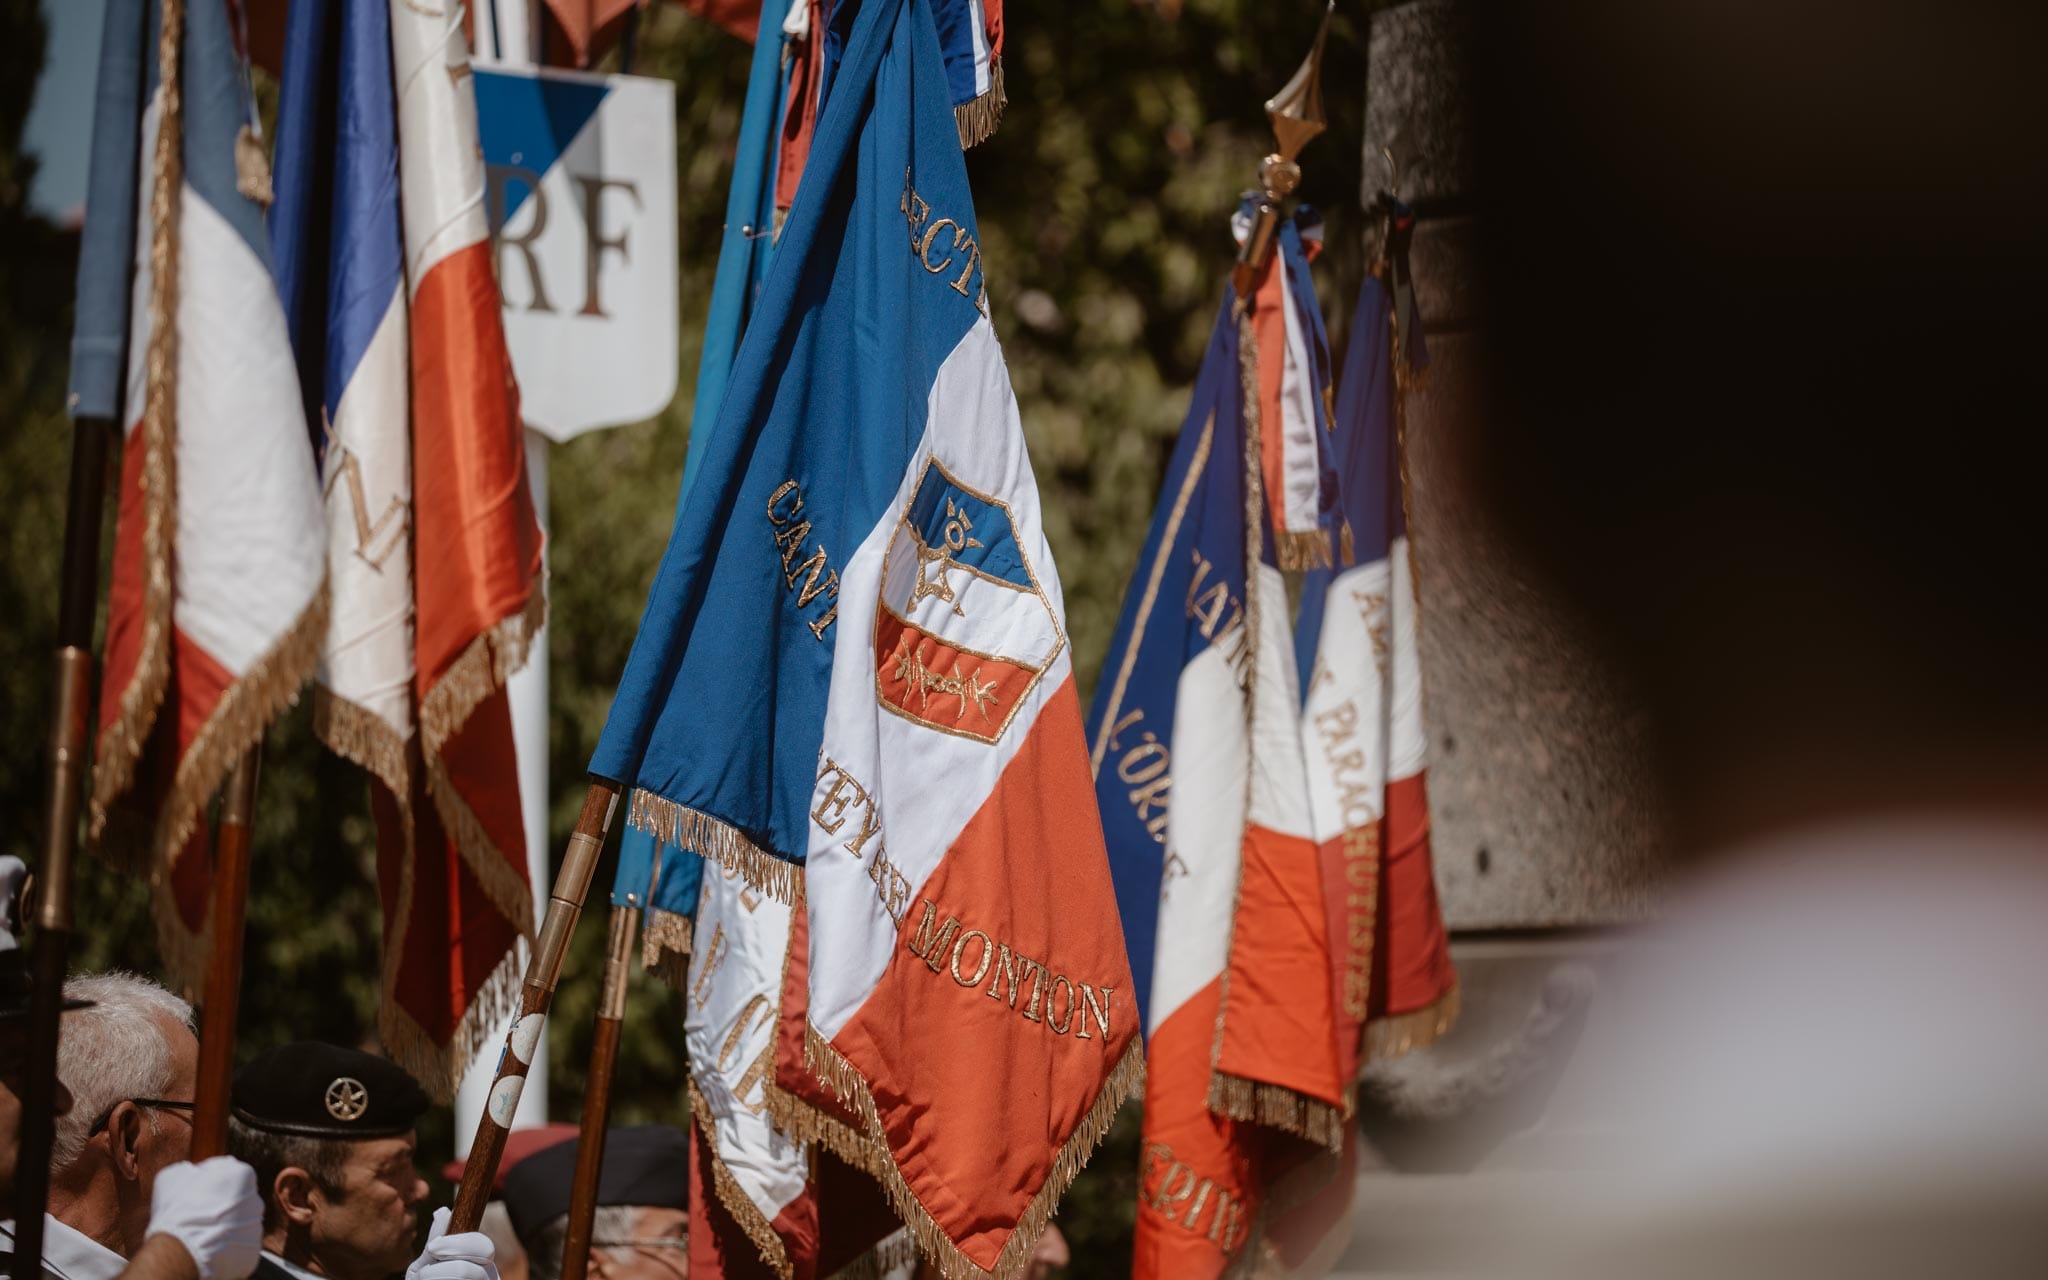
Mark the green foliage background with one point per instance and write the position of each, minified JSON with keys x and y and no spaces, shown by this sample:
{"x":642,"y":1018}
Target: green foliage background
{"x":1103,"y":205}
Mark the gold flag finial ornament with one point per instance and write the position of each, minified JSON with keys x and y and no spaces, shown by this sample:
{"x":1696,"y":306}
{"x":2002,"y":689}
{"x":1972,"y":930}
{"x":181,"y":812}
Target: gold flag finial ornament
{"x":1297,"y":115}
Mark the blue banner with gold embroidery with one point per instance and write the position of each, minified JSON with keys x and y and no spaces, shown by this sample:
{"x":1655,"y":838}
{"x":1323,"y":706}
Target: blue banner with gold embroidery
{"x":855,"y":658}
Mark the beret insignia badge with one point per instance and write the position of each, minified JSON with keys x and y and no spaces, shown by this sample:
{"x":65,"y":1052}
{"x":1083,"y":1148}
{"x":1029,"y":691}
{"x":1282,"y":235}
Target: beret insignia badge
{"x":347,"y":1099}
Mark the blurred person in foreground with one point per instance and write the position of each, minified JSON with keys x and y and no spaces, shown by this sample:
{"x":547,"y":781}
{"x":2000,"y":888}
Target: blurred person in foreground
{"x":330,"y":1133}
{"x":122,"y":1200}
{"x":642,"y":1227}
{"x":1762,"y":287}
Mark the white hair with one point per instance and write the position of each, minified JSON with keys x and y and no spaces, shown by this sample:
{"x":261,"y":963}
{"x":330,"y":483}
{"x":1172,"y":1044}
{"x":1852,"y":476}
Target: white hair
{"x":112,"y":1052}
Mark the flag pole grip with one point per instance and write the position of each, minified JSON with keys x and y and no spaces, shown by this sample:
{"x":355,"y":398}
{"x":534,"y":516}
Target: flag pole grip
{"x":565,"y":904}
{"x":222,"y":997}
{"x":597,"y":1091}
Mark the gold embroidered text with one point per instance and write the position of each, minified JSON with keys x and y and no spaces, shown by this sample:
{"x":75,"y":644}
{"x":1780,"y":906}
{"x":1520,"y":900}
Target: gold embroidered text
{"x":928,"y":235}
{"x":785,"y":515}
{"x":1029,"y":987}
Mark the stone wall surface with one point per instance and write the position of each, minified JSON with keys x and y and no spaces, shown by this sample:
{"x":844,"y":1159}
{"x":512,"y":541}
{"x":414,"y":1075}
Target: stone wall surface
{"x":1543,"y":805}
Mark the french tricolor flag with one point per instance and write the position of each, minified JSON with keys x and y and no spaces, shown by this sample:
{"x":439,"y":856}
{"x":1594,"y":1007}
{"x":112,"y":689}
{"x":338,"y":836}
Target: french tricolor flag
{"x":433,"y":546}
{"x":1363,"y":735}
{"x":1362,"y":721}
{"x":1195,"y":739}
{"x":217,"y":601}
{"x":853,"y":683}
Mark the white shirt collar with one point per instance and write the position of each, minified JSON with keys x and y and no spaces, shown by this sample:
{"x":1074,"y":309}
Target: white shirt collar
{"x":290,"y":1268}
{"x":73,"y":1255}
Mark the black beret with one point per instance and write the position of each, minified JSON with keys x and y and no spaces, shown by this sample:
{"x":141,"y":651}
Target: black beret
{"x":315,"y":1090}
{"x":646,"y":1164}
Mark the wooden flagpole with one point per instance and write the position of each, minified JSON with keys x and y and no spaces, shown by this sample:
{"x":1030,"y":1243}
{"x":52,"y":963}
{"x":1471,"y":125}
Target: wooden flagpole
{"x":565,"y":904}
{"x":221,"y":997}
{"x":597,"y":1092}
{"x":70,"y":748}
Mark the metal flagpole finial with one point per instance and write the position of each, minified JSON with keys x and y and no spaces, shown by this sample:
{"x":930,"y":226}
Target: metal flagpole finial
{"x":1297,"y":115}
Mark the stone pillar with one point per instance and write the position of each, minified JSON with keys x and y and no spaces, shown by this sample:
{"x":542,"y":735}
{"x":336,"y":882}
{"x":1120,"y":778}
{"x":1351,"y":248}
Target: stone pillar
{"x":1543,"y":812}
{"x":1545,"y":827}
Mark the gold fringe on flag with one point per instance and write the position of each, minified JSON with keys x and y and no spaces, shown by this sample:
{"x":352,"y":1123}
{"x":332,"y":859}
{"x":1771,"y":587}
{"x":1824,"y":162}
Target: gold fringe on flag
{"x":440,"y":1069}
{"x":844,"y":1079}
{"x":1400,"y":1033}
{"x":1297,"y":551}
{"x":665,"y":947}
{"x":978,"y":117}
{"x":121,"y":743}
{"x":743,"y":1210}
{"x":801,"y":1122}
{"x":700,"y":833}
{"x":481,"y":669}
{"x":1281,"y":1108}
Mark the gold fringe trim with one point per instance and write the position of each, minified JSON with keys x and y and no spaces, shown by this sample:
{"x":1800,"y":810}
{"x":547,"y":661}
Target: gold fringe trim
{"x":481,"y":670}
{"x":1400,"y":1033}
{"x":803,"y":1123}
{"x":122,"y":742}
{"x":665,"y":948}
{"x":508,"y":891}
{"x":894,"y":1252}
{"x":1346,"y":545}
{"x":1254,"y":532}
{"x":439,"y":1068}
{"x":361,"y":737}
{"x":1126,"y":1078}
{"x":1296,"y":550}
{"x":700,"y":833}
{"x":1277,"y":1107}
{"x":978,"y":117}
{"x":245,"y":711}
{"x":743,"y":1210}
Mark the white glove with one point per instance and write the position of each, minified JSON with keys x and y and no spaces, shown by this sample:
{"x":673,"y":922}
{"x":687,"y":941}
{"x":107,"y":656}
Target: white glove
{"x":212,"y":1209}
{"x":465,"y":1256}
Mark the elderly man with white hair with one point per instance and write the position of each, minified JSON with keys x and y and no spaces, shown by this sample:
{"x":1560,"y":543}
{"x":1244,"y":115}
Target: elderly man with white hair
{"x":122,"y":1202}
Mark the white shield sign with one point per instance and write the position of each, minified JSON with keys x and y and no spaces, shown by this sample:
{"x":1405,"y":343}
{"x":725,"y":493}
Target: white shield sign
{"x":582,"y":192}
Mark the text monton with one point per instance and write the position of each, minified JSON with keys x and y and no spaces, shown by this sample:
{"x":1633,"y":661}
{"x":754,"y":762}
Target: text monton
{"x":1029,"y":987}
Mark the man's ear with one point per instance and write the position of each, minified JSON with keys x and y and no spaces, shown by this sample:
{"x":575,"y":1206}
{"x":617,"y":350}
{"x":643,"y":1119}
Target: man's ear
{"x":295,"y":1189}
{"x":124,"y":1135}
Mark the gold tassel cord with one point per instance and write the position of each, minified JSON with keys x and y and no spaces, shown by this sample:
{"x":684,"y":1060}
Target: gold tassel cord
{"x":743,"y":1210}
{"x":690,"y":829}
{"x":1126,"y":1078}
